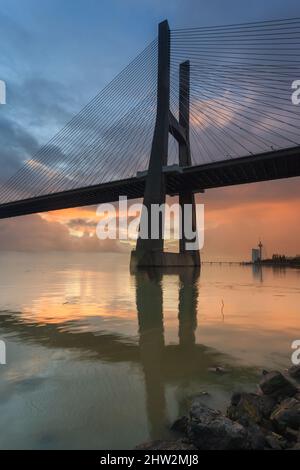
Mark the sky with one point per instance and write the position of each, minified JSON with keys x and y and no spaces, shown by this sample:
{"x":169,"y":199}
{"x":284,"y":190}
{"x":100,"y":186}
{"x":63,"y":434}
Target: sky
{"x":57,"y":55}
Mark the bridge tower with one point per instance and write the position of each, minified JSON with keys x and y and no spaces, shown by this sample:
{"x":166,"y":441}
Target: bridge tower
{"x":150,"y":251}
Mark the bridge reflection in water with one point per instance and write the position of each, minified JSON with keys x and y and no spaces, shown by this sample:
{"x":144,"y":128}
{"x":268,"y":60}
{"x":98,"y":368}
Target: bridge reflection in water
{"x":182,"y":368}
{"x":149,"y":301}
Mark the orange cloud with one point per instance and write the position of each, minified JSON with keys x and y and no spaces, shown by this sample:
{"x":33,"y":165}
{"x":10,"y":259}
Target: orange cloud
{"x":34,"y":233}
{"x":202,"y":116}
{"x":235,"y":218}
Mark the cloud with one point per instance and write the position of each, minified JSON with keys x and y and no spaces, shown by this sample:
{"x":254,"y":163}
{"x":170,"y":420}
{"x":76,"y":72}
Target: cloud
{"x":44,"y":89}
{"x":285,"y":190}
{"x":17,"y":34}
{"x":41,"y":104}
{"x":17,"y":144}
{"x":231,"y":233}
{"x":36,"y":109}
{"x":81,"y":222}
{"x":236,"y":217}
{"x":35,"y":234}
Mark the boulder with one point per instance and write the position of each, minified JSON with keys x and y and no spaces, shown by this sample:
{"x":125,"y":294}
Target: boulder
{"x":209,"y":430}
{"x":235,"y":398}
{"x":256,"y":439}
{"x":294,"y":372}
{"x":249,"y":408}
{"x":277,"y":385}
{"x":287,"y":415}
{"x":291,"y":435}
{"x":180,"y":425}
{"x":275,"y":441}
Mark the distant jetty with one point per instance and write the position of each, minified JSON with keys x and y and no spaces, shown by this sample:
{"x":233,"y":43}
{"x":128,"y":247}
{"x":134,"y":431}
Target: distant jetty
{"x":276,"y":260}
{"x":260,"y":258}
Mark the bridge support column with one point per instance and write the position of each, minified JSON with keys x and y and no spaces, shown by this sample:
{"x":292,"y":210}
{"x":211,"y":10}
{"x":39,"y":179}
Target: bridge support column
{"x":186,"y":197}
{"x":150,"y":251}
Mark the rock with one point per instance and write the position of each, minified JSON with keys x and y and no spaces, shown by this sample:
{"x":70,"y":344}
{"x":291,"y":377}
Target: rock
{"x":218,"y":370}
{"x":287,"y":415}
{"x":235,"y":398}
{"x":277,"y":385}
{"x":249,"y":408}
{"x":202,"y":393}
{"x":179,"y":444}
{"x":291,"y":435}
{"x":180,"y":425}
{"x":275,"y":441}
{"x":209,"y":429}
{"x":256,"y":439}
{"x":268,"y":419}
{"x":294,"y":372}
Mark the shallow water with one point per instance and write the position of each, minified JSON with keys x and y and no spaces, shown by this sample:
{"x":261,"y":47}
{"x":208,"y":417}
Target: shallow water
{"x":99,"y":358}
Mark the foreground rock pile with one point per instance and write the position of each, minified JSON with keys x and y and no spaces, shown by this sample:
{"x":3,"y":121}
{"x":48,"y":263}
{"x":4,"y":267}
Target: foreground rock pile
{"x":268,"y":419}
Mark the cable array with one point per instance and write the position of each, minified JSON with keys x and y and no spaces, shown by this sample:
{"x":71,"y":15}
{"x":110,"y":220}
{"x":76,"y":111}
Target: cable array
{"x":109,"y":139}
{"x":240,"y":87}
{"x":240,"y":104}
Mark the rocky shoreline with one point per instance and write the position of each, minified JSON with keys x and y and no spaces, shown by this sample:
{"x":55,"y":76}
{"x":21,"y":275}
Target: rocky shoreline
{"x":266,"y":420}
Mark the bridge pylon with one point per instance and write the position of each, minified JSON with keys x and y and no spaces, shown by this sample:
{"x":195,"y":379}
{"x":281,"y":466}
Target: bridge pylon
{"x":150,"y":251}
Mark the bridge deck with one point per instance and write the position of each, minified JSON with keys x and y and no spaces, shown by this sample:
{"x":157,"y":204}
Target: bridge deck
{"x":262,"y":167}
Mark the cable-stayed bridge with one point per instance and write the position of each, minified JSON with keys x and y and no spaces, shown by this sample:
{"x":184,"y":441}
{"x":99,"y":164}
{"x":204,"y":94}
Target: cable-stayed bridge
{"x":198,"y":108}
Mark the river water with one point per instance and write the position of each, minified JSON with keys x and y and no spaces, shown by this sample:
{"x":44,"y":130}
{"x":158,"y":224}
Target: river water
{"x":100,"y":358}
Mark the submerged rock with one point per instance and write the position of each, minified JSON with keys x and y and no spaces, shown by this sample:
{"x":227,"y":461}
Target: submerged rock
{"x":202,"y":393}
{"x":277,"y":385}
{"x":218,"y":370}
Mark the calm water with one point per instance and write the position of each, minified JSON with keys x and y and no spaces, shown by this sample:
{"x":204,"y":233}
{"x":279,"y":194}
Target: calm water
{"x":99,"y":358}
